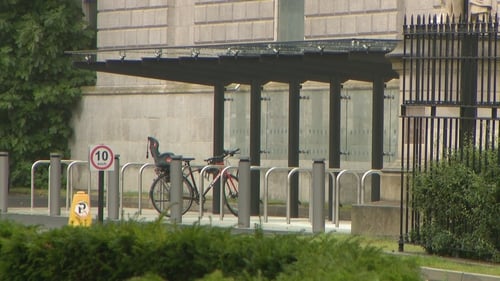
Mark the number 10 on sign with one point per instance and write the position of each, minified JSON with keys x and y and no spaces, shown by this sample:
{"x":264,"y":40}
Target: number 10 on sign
{"x":101,"y":158}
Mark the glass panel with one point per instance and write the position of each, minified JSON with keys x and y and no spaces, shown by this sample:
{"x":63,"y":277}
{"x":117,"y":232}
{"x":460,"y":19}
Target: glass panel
{"x":274,"y":125}
{"x":314,"y":116}
{"x":356,"y":125}
{"x":237,"y":126}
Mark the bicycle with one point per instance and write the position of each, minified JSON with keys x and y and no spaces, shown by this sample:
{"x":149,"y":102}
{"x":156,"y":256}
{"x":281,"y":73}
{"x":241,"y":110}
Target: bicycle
{"x":159,"y":192}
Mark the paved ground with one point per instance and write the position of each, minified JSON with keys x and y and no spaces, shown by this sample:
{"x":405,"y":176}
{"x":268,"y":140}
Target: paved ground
{"x":274,"y":224}
{"x":19,"y":207}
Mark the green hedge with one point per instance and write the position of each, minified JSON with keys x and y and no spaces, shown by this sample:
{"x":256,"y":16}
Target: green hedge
{"x":156,"y":251}
{"x":458,"y":200}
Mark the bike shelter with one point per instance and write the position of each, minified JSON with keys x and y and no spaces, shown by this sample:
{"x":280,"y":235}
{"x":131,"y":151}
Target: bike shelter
{"x":255,"y":64}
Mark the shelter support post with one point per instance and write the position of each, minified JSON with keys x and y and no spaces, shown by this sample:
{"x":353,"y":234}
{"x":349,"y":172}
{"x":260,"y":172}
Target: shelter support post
{"x":377,"y":135}
{"x":255,"y":142}
{"x":218,"y":148}
{"x":293,"y":143}
{"x":334,"y":136}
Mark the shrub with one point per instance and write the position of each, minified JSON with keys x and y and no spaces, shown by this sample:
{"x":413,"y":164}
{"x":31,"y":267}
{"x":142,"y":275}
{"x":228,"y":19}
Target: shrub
{"x":326,"y":258}
{"x":155,"y":251}
{"x":459,"y":206}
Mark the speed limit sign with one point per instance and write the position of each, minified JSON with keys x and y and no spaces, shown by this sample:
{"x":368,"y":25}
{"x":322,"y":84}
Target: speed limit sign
{"x":101,"y":158}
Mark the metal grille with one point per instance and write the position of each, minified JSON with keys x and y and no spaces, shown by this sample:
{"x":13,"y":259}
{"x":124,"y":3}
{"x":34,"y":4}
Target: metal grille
{"x":449,"y":95}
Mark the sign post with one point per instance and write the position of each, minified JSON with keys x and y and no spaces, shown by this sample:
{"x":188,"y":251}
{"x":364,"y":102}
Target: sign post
{"x":101,"y":158}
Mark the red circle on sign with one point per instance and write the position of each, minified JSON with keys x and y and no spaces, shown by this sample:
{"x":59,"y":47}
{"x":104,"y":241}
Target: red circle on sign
{"x":96,"y":165}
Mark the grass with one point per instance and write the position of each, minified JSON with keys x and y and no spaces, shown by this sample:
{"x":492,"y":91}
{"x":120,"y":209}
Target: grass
{"x":426,"y":260}
{"x":27,"y":190}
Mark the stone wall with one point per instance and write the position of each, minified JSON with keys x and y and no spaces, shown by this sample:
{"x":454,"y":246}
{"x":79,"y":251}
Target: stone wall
{"x":347,"y":19}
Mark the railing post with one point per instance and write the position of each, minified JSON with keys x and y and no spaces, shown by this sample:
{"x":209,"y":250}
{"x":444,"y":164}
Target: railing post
{"x":176,"y":189}
{"x":113,"y":190}
{"x":4,"y":181}
{"x":244,"y":193}
{"x":55,"y":184}
{"x":318,"y":196}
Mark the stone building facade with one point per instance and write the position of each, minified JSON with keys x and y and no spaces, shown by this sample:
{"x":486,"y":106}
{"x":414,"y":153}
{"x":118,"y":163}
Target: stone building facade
{"x":122,"y":111}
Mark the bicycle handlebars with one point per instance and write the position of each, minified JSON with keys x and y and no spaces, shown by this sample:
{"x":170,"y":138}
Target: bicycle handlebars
{"x":220,"y":158}
{"x":232,"y":152}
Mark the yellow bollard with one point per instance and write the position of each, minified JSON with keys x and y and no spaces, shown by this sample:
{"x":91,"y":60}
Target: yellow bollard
{"x":80,"y":210}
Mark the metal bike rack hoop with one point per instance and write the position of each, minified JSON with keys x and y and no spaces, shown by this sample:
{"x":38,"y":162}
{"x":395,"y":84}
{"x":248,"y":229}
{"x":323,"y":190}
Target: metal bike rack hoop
{"x":122,"y":188}
{"x":202,"y":183}
{"x":69,"y":181}
{"x":361,"y":194}
{"x":288,"y":199}
{"x":333,"y":177}
{"x":262,"y":168}
{"x":266,"y":186}
{"x":221,"y":193}
{"x":33,"y":167}
{"x":336,"y":208}
{"x":144,"y":166}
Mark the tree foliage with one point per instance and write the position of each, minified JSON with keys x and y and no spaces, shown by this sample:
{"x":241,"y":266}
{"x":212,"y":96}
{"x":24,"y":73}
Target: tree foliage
{"x":39,"y":87}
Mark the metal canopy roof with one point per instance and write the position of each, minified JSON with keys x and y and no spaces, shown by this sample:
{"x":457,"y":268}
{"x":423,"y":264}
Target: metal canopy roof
{"x":320,"y":60}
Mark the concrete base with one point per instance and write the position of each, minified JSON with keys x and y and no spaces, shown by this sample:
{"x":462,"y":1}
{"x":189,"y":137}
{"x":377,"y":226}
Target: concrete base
{"x":380,"y":218}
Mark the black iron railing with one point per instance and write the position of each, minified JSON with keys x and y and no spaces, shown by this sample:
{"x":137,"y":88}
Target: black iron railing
{"x":449,"y":97}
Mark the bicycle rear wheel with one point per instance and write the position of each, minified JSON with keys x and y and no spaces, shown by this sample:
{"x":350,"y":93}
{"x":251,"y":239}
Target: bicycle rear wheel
{"x":231,"y":193}
{"x":160,"y":194}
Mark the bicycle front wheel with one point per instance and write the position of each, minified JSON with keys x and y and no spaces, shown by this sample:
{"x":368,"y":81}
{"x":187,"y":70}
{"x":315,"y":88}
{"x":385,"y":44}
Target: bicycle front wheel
{"x":231,"y":193}
{"x":160,"y":194}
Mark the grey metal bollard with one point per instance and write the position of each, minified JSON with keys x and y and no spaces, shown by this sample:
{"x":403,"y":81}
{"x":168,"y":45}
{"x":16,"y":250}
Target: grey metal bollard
{"x":113,"y":197}
{"x":244,"y":193}
{"x":4,"y":181}
{"x":176,"y":189}
{"x":318,"y":196}
{"x":55,"y":184}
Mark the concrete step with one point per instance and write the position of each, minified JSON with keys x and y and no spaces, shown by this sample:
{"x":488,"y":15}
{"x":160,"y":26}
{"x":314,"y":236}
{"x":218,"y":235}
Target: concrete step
{"x":380,"y":218}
